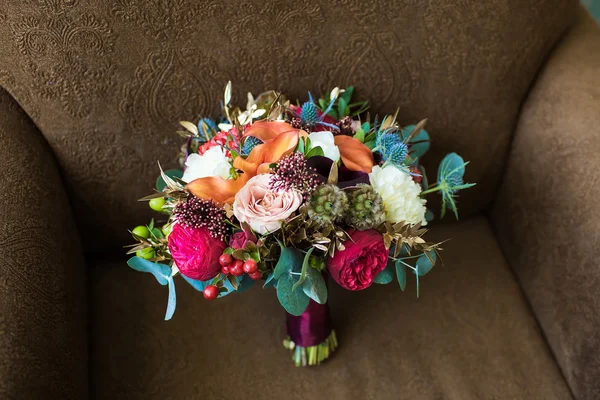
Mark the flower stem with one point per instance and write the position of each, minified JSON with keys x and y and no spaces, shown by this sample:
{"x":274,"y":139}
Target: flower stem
{"x":431,"y":190}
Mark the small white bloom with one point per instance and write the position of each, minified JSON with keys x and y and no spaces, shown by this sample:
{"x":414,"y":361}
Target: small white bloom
{"x":213,"y":162}
{"x":324,"y":140}
{"x":400,"y":194}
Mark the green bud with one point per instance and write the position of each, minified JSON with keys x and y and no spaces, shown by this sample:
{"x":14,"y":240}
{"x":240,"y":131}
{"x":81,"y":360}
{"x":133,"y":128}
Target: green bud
{"x":146,"y":254}
{"x":319,"y":209}
{"x":157,"y":204}
{"x":141,"y":231}
{"x":166,"y":229}
{"x":358,"y":207}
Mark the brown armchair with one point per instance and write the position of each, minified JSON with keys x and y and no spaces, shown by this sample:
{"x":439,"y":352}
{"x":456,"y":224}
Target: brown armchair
{"x":90,"y":96}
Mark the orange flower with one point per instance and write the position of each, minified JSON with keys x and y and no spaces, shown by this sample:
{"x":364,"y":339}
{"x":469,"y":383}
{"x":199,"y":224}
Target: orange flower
{"x":355,"y":155}
{"x":280,"y":139}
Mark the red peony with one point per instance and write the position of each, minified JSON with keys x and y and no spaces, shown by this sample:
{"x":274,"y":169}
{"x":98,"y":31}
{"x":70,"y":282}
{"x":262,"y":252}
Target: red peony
{"x":195,"y":252}
{"x":364,"y":257}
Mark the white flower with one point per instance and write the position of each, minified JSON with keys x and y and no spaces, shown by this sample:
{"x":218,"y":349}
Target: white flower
{"x":324,"y":140}
{"x":400,"y":195}
{"x":213,"y":162}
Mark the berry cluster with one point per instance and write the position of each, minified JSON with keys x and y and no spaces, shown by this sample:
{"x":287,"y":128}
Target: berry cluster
{"x":292,"y":172}
{"x":231,"y":266}
{"x":199,"y":213}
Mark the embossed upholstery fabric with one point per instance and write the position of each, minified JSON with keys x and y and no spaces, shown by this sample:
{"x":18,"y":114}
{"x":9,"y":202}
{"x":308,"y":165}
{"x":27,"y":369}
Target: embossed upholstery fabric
{"x":104,"y":83}
{"x":107,"y":81}
{"x":469,"y":336}
{"x":43,"y":335}
{"x":547,"y":214}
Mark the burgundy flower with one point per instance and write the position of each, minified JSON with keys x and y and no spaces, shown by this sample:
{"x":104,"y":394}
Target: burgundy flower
{"x":346,"y":177}
{"x":195,"y":252}
{"x":364,"y":257}
{"x":239,"y":239}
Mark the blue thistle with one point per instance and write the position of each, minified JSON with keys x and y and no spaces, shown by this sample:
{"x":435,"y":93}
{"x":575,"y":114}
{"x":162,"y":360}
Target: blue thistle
{"x":450,"y":181}
{"x":250,"y":143}
{"x":206,"y":134}
{"x":309,"y":113}
{"x":385,"y":142}
{"x":397,"y":154}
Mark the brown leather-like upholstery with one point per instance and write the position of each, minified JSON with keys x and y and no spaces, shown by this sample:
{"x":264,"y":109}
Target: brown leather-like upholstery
{"x":43,"y":329}
{"x":107,"y":81}
{"x":547,"y":214}
{"x":470,"y":335}
{"x":96,"y":88}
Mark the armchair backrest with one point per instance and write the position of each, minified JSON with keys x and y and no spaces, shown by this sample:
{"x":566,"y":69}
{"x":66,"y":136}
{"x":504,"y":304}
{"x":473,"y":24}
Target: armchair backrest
{"x":107,"y":82}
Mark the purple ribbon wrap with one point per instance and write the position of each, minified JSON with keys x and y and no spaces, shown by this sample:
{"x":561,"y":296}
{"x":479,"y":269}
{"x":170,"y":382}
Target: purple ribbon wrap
{"x":310,"y":328}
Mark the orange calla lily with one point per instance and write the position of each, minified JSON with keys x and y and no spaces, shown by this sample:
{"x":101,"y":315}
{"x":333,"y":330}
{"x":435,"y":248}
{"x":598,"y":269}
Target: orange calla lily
{"x":216,"y":188}
{"x":223,"y":190}
{"x":355,"y":155}
{"x":268,"y":130}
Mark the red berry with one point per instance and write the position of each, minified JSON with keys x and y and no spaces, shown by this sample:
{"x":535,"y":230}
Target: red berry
{"x":250,"y":266}
{"x":236,"y":269}
{"x":256,"y":275}
{"x":225,"y":260}
{"x":211,"y":292}
{"x":225,"y":270}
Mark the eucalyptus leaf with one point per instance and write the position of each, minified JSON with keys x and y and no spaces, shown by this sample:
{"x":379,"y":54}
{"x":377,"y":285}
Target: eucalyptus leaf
{"x":288,"y":258}
{"x":424,"y":264}
{"x":304,"y":270}
{"x":419,"y":143}
{"x":172,"y":302}
{"x":315,"y":287}
{"x":270,"y":281}
{"x":196,"y":284}
{"x":161,"y":272}
{"x":401,"y":274}
{"x":385,"y":276}
{"x":171,"y":173}
{"x":294,"y":301}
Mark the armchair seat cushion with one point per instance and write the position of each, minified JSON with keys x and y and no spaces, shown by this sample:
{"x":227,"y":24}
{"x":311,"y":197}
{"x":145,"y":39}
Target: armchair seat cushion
{"x":471,"y":335}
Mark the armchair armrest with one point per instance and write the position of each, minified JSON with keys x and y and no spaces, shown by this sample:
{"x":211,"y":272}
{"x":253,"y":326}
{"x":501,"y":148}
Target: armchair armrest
{"x":547,"y":214}
{"x":43,"y":332}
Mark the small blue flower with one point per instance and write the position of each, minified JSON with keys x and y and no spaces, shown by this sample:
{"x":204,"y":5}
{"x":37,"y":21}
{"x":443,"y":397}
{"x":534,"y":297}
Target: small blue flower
{"x":250,"y":143}
{"x":397,"y":154}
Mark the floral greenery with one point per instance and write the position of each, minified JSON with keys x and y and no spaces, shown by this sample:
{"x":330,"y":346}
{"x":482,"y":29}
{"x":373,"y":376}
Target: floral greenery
{"x":293,"y":257}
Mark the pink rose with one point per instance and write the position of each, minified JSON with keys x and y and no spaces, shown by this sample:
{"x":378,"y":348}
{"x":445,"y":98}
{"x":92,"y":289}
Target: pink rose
{"x":262,"y":208}
{"x":364,"y":257}
{"x":195,"y":252}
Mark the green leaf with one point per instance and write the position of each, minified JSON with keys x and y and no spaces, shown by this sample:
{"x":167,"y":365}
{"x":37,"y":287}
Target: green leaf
{"x":322,"y":104}
{"x":157,"y":233}
{"x":419,"y":143}
{"x":315,"y":287}
{"x":287,"y":260}
{"x":229,"y":250}
{"x":347,"y":95}
{"x":294,"y":301}
{"x":366,"y":127}
{"x":333,"y":114}
{"x":371,"y":136}
{"x":305,"y":268}
{"x":401,"y":274}
{"x":385,"y":276}
{"x":425,"y":264}
{"x":342,"y":105}
{"x":171,"y":173}
{"x":360,"y":135}
{"x":370,"y":144}
{"x":161,"y":272}
{"x":315,"y":151}
{"x":301,"y":146}
{"x":270,"y":281}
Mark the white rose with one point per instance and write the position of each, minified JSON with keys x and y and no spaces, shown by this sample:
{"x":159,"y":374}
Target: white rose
{"x":213,"y":162}
{"x":324,"y":140}
{"x":400,"y":194}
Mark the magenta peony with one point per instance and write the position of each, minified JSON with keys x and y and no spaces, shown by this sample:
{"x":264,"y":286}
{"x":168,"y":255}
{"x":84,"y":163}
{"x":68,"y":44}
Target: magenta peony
{"x":364,"y":257}
{"x":195,"y":252}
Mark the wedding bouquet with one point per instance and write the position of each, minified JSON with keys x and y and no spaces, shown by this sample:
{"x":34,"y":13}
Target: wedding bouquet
{"x":292,"y":195}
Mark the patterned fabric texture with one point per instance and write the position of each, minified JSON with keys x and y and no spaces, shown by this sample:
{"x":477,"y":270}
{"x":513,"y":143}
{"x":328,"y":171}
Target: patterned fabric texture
{"x":90,"y":87}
